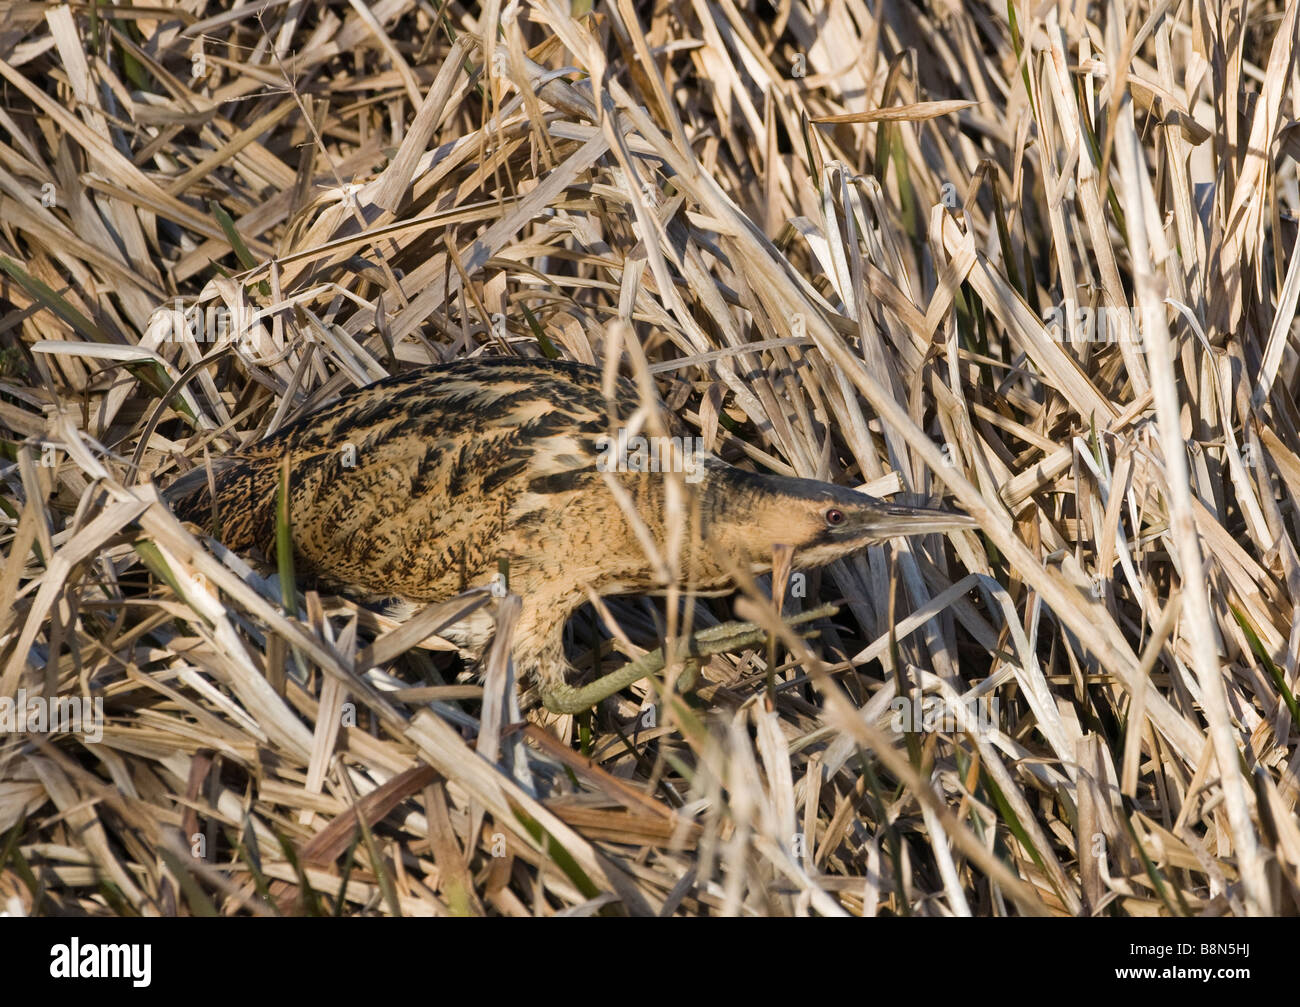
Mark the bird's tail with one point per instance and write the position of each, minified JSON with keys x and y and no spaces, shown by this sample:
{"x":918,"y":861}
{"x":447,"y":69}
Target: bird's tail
{"x":190,"y":497}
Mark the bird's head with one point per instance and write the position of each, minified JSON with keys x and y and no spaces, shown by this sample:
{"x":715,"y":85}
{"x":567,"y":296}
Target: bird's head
{"x":751,"y":513}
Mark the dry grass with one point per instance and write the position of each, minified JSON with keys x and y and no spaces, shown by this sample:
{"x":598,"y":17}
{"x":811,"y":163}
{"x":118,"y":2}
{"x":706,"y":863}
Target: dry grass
{"x":868,"y":242}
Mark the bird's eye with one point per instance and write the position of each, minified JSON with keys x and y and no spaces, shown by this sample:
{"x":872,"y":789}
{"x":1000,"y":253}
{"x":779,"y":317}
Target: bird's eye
{"x":834,"y":517}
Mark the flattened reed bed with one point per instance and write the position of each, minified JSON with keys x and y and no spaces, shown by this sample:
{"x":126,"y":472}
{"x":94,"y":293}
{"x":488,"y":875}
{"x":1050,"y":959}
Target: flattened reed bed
{"x":1038,"y":264}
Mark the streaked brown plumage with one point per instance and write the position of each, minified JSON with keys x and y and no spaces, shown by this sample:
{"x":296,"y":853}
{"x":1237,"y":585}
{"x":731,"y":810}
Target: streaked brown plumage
{"x":413,"y":488}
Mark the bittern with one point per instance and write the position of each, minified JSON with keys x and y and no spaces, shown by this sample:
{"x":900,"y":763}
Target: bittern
{"x":412,"y":489}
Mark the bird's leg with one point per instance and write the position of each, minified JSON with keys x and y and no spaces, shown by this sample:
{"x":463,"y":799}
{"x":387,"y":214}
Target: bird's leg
{"x":560,"y":697}
{"x":689,"y":673}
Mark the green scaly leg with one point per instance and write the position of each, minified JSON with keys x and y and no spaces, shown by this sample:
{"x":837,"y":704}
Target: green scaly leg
{"x":566,"y":698}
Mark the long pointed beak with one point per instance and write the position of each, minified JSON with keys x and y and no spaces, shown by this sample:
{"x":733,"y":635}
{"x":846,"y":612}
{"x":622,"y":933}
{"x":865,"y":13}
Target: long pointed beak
{"x":900,"y":520}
